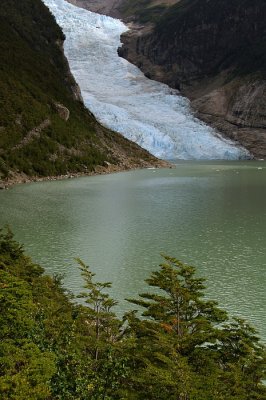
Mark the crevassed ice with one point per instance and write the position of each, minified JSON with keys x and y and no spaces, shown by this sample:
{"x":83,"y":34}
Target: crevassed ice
{"x":123,"y":99}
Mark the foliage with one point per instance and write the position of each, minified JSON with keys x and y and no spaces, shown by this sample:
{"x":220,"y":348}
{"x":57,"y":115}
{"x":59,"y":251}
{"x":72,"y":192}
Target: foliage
{"x":99,"y":313}
{"x":189,"y":344}
{"x":182,"y":347}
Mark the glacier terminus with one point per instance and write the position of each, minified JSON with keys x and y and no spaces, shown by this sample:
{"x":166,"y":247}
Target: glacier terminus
{"x":124,"y":100}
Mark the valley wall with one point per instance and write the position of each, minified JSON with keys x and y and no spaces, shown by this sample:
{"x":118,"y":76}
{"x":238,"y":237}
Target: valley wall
{"x":213,"y":52}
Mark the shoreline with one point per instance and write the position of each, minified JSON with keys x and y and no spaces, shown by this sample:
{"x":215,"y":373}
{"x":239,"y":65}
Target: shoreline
{"x":21,"y":178}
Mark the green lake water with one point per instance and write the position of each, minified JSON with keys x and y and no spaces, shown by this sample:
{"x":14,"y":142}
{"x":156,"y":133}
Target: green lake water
{"x":211,"y":215}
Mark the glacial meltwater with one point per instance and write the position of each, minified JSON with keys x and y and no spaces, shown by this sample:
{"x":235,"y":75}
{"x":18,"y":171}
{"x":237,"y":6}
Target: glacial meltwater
{"x":123,"y":99}
{"x":209,"y":214}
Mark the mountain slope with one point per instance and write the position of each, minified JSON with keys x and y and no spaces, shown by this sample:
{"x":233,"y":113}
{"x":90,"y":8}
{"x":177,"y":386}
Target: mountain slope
{"x":44,"y":126}
{"x":214,"y":52}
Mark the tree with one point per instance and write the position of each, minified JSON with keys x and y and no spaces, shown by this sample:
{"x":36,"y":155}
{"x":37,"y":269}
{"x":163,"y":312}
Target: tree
{"x":188,"y":346}
{"x":102,"y":321}
{"x":25,"y":370}
{"x":178,"y":308}
{"x":104,"y":335}
{"x":183,"y":347}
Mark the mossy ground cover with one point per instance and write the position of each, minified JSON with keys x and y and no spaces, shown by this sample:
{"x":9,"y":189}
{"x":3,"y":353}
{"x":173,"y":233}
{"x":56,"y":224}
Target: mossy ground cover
{"x":33,"y":76}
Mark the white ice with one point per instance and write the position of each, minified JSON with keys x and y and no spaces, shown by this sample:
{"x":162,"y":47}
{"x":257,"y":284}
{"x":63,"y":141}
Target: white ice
{"x":123,"y":99}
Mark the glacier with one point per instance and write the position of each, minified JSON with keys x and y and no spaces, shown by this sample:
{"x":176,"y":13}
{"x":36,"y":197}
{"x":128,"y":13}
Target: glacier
{"x":147,"y":112}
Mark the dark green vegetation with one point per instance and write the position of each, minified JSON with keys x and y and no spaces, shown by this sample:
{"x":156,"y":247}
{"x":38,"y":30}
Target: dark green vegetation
{"x":36,"y":93}
{"x":183,"y":347}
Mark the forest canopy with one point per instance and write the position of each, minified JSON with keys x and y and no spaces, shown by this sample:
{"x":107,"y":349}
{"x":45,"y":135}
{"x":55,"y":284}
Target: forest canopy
{"x":182,"y":346}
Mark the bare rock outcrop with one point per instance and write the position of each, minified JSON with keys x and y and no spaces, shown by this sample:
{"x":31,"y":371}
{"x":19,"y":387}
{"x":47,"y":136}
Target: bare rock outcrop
{"x":62,"y":111}
{"x":35,"y":133}
{"x":213,"y":52}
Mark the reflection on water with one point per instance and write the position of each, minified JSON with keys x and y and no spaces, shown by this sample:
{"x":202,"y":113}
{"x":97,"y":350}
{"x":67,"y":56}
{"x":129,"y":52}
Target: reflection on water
{"x":212,"y":215}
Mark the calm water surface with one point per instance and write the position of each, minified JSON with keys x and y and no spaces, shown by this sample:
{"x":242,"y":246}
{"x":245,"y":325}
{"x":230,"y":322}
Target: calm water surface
{"x":211,"y":215}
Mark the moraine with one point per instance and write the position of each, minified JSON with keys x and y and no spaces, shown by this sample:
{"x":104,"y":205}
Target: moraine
{"x":123,"y":99}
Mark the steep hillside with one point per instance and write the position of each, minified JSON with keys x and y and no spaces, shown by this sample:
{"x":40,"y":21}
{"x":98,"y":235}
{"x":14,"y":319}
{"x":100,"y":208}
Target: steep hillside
{"x":214,"y":52}
{"x":144,"y":11}
{"x":44,"y":126}
{"x":128,"y":10}
{"x":106,"y":7}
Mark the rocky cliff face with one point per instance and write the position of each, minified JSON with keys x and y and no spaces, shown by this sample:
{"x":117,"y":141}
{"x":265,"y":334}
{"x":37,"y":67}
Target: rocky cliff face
{"x":214,"y":52}
{"x":236,"y":108}
{"x":193,"y":39}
